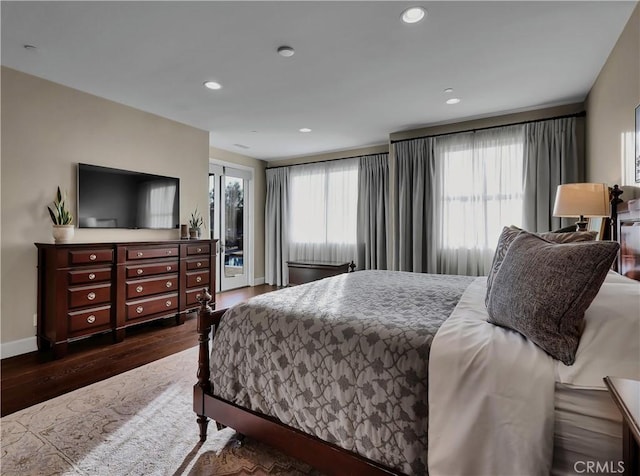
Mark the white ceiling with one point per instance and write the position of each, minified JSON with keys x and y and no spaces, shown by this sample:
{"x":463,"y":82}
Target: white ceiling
{"x":358,"y":73}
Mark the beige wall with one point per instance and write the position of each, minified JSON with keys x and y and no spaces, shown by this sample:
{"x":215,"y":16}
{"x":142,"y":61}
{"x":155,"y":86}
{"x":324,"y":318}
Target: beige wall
{"x":259,"y":196}
{"x":610,"y":109}
{"x":46,"y":130}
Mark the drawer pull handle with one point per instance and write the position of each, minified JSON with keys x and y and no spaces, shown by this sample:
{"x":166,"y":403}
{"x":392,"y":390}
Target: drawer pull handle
{"x":91,"y":296}
{"x":139,"y":309}
{"x":92,"y":257}
{"x":169,"y":284}
{"x":92,"y":276}
{"x":168,"y":268}
{"x":91,"y":319}
{"x":168,"y":303}
{"x":140,"y":271}
{"x":198,"y":279}
{"x":198,"y":264}
{"x":168,"y":252}
{"x":139,"y":289}
{"x":140,"y":254}
{"x":199,"y":250}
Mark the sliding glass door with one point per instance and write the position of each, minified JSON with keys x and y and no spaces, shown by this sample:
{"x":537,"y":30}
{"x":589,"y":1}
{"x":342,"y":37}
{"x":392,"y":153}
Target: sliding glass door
{"x":228,"y":190}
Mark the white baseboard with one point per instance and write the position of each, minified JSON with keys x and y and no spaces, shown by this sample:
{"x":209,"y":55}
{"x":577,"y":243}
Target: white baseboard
{"x":17,"y":347}
{"x":258,"y":281}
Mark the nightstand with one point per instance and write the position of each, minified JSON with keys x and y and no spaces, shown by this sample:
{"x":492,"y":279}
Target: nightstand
{"x":626,"y":395}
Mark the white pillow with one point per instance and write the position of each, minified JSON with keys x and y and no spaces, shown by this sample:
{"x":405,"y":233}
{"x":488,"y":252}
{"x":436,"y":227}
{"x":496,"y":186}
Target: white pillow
{"x":610,"y":342}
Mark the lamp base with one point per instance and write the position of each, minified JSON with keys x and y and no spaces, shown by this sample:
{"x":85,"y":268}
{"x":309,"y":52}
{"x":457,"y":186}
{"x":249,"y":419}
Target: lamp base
{"x":581,"y":225}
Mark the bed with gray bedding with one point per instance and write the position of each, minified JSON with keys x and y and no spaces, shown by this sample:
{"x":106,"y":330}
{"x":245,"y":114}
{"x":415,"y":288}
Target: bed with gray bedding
{"x":344,"y":359}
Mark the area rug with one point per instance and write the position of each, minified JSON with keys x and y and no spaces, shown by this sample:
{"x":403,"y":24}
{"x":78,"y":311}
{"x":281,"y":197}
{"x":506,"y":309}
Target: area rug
{"x":137,"y":423}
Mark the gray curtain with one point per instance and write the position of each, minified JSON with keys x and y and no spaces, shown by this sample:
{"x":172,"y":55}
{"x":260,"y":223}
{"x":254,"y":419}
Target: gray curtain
{"x":416,"y":189}
{"x":276,"y":241}
{"x":373,"y":211}
{"x":550,"y":159}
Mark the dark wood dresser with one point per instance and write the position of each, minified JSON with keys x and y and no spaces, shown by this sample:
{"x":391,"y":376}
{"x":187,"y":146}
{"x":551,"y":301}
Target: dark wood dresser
{"x":89,"y":288}
{"x":301,"y":272}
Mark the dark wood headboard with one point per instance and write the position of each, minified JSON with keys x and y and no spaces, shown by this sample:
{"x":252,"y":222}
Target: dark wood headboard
{"x":614,"y":198}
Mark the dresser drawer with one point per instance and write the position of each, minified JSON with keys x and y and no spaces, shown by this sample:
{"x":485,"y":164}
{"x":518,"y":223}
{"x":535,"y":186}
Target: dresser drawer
{"x":193,"y":295}
{"x":200,"y":279}
{"x":197,"y":264}
{"x":148,"y":253}
{"x":104,"y":255}
{"x":89,"y":275}
{"x":146,"y":287}
{"x":89,"y":295}
{"x":89,"y":319}
{"x":147,"y":307}
{"x":141,"y":269}
{"x":198,"y":249}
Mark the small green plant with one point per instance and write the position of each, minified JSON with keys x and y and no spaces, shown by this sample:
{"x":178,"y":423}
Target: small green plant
{"x":59,"y":213}
{"x":195,"y":222}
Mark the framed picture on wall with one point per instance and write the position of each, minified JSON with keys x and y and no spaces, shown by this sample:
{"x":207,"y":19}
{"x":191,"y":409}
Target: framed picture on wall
{"x":638,"y":144}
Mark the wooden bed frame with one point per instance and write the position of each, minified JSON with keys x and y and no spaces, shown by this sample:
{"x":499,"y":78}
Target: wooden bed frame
{"x":324,"y":456}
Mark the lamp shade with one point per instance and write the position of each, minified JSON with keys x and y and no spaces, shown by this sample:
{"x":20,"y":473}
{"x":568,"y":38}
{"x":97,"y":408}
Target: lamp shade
{"x":582,"y":199}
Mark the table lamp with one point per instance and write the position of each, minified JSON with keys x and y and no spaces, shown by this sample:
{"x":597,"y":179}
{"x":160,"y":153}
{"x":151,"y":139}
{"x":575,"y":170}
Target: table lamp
{"x":582,"y":200}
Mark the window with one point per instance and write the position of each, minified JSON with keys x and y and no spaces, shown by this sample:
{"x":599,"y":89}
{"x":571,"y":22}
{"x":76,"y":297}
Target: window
{"x":481,"y":190}
{"x":323,"y":210}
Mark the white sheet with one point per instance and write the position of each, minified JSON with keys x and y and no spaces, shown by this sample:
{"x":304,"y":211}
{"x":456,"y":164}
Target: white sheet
{"x":610,"y":342}
{"x":588,"y":427}
{"x":491,"y":392}
{"x":490,"y":397}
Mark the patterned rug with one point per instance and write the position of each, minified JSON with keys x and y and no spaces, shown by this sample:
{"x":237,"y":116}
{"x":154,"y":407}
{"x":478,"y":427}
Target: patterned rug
{"x":138,"y":423}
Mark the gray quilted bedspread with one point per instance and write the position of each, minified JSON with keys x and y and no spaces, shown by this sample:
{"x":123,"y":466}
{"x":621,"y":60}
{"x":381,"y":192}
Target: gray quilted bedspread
{"x":344,"y":359}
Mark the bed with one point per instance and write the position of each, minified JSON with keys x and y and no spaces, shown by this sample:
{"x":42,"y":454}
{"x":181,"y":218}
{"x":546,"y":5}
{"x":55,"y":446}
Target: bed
{"x":342,"y":374}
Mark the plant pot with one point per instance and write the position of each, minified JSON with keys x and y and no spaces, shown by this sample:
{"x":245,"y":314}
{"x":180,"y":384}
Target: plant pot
{"x":63,"y":233}
{"x":194,"y":233}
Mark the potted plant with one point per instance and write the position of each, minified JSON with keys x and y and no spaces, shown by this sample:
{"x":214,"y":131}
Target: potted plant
{"x":195,"y":222}
{"x":62,"y":219}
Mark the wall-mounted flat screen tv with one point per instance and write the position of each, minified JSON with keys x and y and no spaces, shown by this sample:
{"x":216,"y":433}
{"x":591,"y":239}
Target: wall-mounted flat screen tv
{"x":113,"y":198}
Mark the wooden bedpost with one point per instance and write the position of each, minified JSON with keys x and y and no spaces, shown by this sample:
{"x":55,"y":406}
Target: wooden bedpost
{"x":203,"y":386}
{"x":614,"y":196}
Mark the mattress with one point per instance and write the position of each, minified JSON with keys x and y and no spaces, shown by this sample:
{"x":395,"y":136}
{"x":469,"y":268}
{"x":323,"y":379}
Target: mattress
{"x":588,"y":427}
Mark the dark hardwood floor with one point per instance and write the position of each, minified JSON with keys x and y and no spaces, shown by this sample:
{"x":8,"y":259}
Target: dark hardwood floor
{"x":33,"y":378}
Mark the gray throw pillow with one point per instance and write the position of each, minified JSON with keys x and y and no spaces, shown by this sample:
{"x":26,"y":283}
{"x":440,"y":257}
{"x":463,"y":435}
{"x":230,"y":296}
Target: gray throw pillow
{"x":572,"y":237}
{"x":508,"y":234}
{"x":542,"y":290}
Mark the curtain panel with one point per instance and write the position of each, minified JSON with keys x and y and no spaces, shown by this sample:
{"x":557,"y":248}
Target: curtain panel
{"x":550,"y":159}
{"x":276,"y":218}
{"x":416,"y":208}
{"x":373,"y":211}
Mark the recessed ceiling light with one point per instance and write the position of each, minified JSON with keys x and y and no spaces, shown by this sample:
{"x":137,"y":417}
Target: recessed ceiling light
{"x":305,"y":129}
{"x":453,"y":101}
{"x":286,"y":51}
{"x":413,"y":14}
{"x":448,"y":90}
{"x":213,"y":85}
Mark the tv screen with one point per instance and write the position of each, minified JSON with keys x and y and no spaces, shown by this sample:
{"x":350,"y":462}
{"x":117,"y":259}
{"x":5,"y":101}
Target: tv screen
{"x":113,"y":198}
